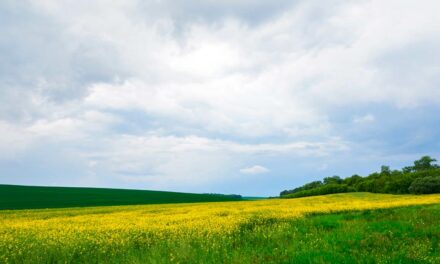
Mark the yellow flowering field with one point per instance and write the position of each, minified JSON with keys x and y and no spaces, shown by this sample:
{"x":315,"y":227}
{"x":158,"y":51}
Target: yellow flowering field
{"x":27,"y":234}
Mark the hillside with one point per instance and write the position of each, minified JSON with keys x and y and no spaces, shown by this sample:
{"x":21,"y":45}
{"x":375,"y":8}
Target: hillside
{"x":36,"y":197}
{"x":336,"y":228}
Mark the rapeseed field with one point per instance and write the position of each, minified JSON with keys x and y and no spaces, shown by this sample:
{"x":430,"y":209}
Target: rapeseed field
{"x":167,"y":233}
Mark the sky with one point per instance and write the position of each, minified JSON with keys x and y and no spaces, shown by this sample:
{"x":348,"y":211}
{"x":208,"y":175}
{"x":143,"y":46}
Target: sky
{"x":245,"y":97}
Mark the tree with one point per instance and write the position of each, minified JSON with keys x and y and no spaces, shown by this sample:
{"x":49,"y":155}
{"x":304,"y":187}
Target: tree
{"x":332,"y":180}
{"x":353,"y":180}
{"x":385,"y":170}
{"x":425,"y":185}
{"x":422,"y":177}
{"x":407,"y":169}
{"x":424,"y":163}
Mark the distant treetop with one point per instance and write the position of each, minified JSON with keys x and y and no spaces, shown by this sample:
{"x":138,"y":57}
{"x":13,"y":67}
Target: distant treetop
{"x":422,"y":177}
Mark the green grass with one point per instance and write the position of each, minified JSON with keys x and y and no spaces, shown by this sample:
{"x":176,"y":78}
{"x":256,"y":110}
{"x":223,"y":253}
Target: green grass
{"x":400,"y":235}
{"x":34,"y":197}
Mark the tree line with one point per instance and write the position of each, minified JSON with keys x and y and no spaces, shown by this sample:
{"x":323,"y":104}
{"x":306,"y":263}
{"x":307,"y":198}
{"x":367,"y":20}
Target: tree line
{"x":421,"y":178}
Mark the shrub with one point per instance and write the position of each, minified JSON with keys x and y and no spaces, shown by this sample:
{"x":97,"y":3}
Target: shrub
{"x":325,"y":189}
{"x":430,"y":184}
{"x":386,"y":181}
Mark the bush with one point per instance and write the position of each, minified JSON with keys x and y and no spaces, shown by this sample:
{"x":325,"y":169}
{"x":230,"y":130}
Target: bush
{"x":425,"y":185}
{"x":308,"y":186}
{"x":325,"y":189}
{"x":420,"y":178}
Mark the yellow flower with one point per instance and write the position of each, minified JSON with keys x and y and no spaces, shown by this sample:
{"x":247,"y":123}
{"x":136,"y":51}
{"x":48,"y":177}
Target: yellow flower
{"x":109,"y":228}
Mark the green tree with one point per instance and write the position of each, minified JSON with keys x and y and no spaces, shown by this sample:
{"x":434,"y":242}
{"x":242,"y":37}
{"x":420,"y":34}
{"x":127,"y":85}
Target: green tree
{"x":424,"y":163}
{"x":385,"y":170}
{"x":332,"y":180}
{"x":353,"y":180}
{"x":425,"y":185}
{"x":419,"y":177}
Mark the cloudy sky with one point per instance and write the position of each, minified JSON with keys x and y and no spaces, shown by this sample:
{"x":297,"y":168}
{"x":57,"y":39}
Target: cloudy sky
{"x":248,"y":97}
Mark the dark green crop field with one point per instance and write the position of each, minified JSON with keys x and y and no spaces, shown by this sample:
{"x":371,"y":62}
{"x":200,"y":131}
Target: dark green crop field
{"x":33,"y":197}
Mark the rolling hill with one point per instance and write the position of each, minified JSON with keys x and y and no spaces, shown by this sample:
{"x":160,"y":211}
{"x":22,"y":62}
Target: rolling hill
{"x":37,"y":197}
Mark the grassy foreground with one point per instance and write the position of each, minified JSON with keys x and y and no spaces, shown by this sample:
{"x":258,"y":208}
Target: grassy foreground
{"x":342,"y":228}
{"x":33,"y":197}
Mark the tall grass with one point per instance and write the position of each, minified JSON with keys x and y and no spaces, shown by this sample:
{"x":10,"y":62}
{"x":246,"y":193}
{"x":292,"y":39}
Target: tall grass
{"x":343,"y":228}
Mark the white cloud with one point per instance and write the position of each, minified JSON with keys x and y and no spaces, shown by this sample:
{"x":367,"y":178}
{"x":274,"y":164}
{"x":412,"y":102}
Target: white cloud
{"x":233,"y":105}
{"x":87,"y":124}
{"x":268,"y":79}
{"x":189,"y":162}
{"x":13,"y":141}
{"x":256,"y":169}
{"x":368,"y":118}
{"x":243,"y":79}
{"x":185,"y":92}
